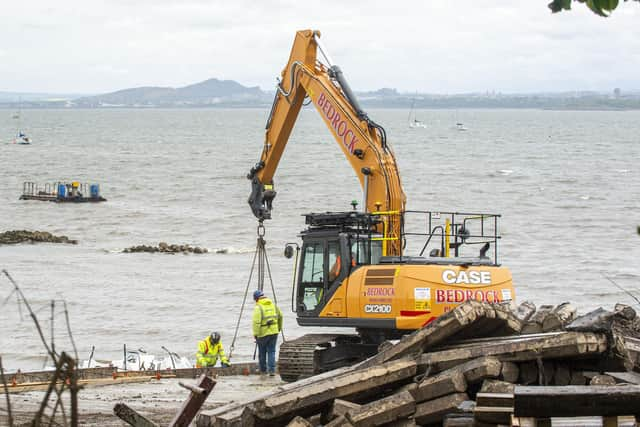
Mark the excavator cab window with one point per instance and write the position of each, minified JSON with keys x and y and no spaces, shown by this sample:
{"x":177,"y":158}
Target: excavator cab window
{"x":322,"y":269}
{"x":312,"y":278}
{"x":365,"y":251}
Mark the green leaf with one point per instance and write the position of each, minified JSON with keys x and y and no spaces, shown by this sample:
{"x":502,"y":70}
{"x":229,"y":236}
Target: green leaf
{"x":560,"y":5}
{"x":595,"y":7}
{"x":607,"y":4}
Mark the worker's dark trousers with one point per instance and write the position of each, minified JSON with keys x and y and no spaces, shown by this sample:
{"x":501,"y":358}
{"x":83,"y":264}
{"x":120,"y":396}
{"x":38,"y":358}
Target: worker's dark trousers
{"x":267,"y":353}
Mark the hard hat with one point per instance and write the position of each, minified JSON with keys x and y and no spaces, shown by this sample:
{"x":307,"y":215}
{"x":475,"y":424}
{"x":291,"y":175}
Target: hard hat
{"x":215,"y":337}
{"x":258,"y":294}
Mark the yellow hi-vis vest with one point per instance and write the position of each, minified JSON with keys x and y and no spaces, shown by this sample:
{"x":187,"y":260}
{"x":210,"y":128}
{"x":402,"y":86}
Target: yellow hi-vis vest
{"x":208,"y":353}
{"x":267,"y":318}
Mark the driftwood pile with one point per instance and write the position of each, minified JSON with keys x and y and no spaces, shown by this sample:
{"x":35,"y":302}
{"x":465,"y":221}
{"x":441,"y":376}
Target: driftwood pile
{"x":470,"y":367}
{"x":167,"y":248}
{"x":21,"y":236}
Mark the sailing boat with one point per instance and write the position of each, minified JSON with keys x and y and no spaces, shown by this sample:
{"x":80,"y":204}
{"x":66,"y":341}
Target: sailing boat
{"x":415,"y":123}
{"x":21,"y":138}
{"x":459,"y":125}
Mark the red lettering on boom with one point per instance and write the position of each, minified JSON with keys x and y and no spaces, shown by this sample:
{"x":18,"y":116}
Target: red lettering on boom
{"x":339,"y":125}
{"x":321,"y":100}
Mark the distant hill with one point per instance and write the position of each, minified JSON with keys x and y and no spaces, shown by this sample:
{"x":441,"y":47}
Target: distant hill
{"x":207,"y":93}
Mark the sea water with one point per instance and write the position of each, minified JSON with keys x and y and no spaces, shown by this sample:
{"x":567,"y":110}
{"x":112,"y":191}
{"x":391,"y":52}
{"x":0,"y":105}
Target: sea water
{"x":566,"y":183}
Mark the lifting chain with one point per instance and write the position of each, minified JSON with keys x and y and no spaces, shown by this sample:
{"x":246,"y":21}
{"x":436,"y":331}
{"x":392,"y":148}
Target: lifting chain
{"x":260,"y":260}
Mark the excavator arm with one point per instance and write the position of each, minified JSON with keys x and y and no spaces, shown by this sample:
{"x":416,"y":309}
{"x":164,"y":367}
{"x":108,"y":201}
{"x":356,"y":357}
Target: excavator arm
{"x":362,"y":141}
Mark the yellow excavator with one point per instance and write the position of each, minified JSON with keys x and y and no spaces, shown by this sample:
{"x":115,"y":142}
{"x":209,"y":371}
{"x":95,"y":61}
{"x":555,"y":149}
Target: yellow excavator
{"x":352,"y":269}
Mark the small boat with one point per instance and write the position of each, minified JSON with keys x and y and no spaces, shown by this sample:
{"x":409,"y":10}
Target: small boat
{"x":460,"y":126}
{"x":21,"y":138}
{"x":415,"y":123}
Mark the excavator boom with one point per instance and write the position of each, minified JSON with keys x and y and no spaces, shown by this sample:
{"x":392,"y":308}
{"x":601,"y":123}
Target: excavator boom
{"x":362,"y":141}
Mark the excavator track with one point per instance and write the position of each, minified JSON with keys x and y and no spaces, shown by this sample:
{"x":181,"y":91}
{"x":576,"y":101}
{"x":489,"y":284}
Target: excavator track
{"x":315,"y":353}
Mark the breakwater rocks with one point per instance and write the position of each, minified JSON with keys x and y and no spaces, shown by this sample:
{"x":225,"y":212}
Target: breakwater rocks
{"x":167,"y":248}
{"x":20,"y":236}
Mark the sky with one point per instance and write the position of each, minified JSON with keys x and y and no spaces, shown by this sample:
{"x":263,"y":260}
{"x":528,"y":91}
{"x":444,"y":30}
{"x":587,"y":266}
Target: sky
{"x":507,"y":46}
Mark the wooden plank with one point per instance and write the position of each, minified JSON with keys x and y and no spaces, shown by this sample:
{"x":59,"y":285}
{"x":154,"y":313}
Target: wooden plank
{"x":458,"y":420}
{"x":632,"y":347}
{"x":525,"y":310}
{"x":509,"y":372}
{"x":238,"y":412}
{"x":562,"y":374}
{"x":434,"y":411}
{"x":442,"y":384}
{"x":495,"y":399}
{"x":481,"y":368}
{"x":131,"y":417}
{"x":407,"y":422}
{"x":577,"y":378}
{"x":493,"y":414}
{"x":602,"y":380}
{"x":383,"y":411}
{"x":311,"y":399}
{"x":193,"y":403}
{"x":341,"y":407}
{"x":94,"y":382}
{"x":576,"y":401}
{"x":554,"y":345}
{"x":240,"y":368}
{"x":239,"y":417}
{"x":341,"y":421}
{"x":534,"y":325}
{"x":625,"y":377}
{"x":299,"y":422}
{"x":495,"y":386}
{"x":560,"y":316}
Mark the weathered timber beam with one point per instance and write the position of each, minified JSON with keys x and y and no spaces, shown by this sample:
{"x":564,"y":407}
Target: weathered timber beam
{"x":559,"y":317}
{"x":239,"y":410}
{"x":131,"y":417}
{"x":576,"y":401}
{"x":305,"y":401}
{"x":520,"y":348}
{"x":625,"y":377}
{"x":383,"y":411}
{"x":433,"y":411}
{"x":192,"y":405}
{"x":442,"y":384}
{"x":299,"y":422}
{"x":341,"y":407}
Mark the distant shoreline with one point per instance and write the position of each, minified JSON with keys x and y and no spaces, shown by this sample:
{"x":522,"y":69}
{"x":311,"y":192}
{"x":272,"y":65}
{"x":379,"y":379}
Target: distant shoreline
{"x":365,"y":105}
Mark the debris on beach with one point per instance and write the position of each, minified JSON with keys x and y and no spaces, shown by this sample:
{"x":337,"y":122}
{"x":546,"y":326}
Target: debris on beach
{"x":21,"y":236}
{"x":167,"y":248}
{"x":472,"y":366}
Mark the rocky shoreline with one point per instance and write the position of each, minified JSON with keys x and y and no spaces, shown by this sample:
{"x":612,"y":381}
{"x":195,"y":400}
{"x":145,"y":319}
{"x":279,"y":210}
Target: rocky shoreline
{"x":164,"y":247}
{"x":13,"y":237}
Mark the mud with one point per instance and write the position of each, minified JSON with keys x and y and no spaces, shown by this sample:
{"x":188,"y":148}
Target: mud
{"x":158,"y":400}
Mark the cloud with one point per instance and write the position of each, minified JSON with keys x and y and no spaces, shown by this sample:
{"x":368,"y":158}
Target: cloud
{"x":440,"y":47}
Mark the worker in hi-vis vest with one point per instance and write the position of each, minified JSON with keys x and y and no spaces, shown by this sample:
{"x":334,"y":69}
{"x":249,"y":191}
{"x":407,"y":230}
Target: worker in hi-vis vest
{"x":209,"y":350}
{"x":267,"y":324}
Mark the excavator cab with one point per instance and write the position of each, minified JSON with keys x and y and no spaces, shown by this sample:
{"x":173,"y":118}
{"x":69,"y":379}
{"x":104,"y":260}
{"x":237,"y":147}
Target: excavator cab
{"x":333,"y":246}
